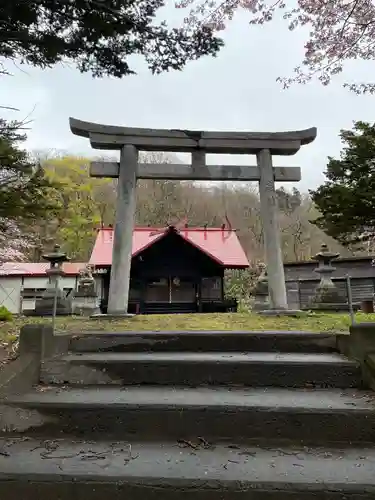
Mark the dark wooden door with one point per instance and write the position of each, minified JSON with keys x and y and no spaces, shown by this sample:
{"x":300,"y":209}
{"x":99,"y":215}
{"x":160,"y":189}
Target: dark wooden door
{"x":182,"y":290}
{"x":157,"y":291}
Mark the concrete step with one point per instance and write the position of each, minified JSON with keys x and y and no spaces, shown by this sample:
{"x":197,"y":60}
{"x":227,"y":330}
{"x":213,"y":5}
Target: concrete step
{"x":166,"y":308}
{"x":205,"y":341}
{"x":63,"y":469}
{"x":196,"y":369}
{"x":318,"y":415}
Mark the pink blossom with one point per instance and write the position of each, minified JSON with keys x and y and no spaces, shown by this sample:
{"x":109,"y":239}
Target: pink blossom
{"x":339,"y":31}
{"x":12,"y":242}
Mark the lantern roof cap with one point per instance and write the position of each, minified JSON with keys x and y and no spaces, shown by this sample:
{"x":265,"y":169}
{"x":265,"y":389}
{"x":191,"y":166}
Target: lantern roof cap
{"x":325,"y":253}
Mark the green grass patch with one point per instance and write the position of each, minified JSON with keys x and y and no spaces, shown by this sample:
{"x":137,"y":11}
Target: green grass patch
{"x":314,"y":322}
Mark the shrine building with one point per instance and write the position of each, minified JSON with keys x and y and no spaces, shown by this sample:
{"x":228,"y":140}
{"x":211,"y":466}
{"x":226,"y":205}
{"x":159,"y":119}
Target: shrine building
{"x":172,"y":270}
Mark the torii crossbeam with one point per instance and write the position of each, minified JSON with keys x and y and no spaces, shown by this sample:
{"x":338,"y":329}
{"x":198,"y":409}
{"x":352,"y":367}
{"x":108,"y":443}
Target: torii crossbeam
{"x":132,"y":140}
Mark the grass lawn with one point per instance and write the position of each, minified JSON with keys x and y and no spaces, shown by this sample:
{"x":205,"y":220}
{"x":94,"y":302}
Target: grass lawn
{"x":237,"y":321}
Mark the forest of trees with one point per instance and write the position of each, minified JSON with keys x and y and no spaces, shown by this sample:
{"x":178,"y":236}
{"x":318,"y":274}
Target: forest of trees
{"x":48,"y":199}
{"x":85,"y":204}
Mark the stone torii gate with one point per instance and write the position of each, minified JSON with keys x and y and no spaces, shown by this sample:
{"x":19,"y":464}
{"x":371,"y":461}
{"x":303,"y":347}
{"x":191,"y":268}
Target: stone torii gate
{"x":199,"y":143}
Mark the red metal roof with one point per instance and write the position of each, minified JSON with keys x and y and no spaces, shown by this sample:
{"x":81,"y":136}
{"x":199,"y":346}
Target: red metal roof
{"x":221,"y":245}
{"x":36,"y":268}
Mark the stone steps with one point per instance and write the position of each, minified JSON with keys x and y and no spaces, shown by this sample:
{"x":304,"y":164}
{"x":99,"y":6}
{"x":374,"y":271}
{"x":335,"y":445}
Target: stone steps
{"x":194,"y":369}
{"x":155,"y":412}
{"x":203,"y":341}
{"x":194,"y":416}
{"x":63,"y":469}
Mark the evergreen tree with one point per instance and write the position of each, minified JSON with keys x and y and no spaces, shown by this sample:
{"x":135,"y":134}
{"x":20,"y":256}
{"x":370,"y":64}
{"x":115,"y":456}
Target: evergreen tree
{"x":346,"y":200}
{"x":23,"y":185}
{"x":98,"y":36}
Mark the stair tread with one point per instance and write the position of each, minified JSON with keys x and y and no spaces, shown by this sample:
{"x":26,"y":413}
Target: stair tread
{"x":271,"y":466}
{"x":334,"y":359}
{"x":210,"y":333}
{"x":202,"y":340}
{"x":170,"y":397}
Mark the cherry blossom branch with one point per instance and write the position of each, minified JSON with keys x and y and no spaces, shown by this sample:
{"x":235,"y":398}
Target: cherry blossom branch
{"x":13,"y":244}
{"x":339,"y":31}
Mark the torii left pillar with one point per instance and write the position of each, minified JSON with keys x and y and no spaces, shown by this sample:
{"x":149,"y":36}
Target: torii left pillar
{"x":123,"y":233}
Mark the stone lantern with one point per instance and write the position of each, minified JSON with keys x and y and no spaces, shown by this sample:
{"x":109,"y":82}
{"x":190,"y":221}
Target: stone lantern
{"x":45,"y":305}
{"x":327,"y":297}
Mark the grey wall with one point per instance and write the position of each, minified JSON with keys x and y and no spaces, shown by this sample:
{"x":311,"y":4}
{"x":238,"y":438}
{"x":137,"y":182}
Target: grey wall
{"x":301,"y":279}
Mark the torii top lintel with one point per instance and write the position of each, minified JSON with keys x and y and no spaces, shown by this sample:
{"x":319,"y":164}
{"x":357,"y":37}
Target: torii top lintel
{"x":114,"y":137}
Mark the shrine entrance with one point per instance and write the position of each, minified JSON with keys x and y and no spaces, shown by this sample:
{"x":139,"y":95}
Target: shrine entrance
{"x":199,"y":143}
{"x":176,"y":269}
{"x":171,"y":290}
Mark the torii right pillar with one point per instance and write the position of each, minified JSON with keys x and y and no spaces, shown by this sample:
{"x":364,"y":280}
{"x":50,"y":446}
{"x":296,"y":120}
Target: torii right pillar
{"x":271,"y":233}
{"x":271,"y":229}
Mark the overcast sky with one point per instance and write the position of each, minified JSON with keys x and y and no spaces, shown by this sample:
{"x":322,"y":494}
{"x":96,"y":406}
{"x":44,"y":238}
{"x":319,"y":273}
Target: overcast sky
{"x":235,"y":91}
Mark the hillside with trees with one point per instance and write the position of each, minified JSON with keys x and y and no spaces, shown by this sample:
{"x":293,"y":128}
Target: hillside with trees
{"x":52,"y":199}
{"x":85,"y":204}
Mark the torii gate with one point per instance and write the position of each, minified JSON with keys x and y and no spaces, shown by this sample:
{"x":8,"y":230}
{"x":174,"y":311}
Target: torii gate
{"x":131,"y":140}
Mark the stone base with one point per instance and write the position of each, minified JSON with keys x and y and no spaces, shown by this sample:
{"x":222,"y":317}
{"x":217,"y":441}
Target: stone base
{"x":331,"y":307}
{"x":260,"y":305}
{"x":296,"y":313}
{"x":45,"y":314}
{"x":86,"y":311}
{"x":112,"y":316}
{"x":85,"y":305}
{"x":44,"y":306}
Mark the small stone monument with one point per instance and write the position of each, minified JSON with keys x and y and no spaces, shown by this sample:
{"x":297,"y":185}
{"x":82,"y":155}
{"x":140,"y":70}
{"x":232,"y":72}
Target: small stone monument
{"x":86,"y":301}
{"x":53,"y":299}
{"x":261,"y":292}
{"x":327,"y":296}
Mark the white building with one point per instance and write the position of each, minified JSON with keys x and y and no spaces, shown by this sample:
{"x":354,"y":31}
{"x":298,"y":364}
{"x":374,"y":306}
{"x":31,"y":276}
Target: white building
{"x":22,"y":282}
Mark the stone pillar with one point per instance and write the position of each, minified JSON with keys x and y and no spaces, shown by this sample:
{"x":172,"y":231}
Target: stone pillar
{"x":85,"y":299}
{"x":123,"y":233}
{"x":260,"y":291}
{"x":269,"y":213}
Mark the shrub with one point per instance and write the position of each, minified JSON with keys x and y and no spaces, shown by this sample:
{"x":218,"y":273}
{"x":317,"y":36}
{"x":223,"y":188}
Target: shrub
{"x":244,"y":305}
{"x":5,"y":314}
